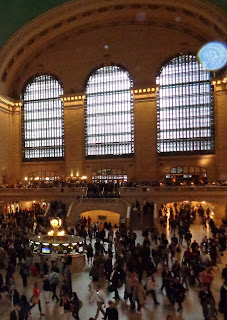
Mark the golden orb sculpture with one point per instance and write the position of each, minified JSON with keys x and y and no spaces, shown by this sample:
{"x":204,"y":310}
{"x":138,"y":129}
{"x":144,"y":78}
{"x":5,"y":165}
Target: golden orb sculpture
{"x":56,"y":223}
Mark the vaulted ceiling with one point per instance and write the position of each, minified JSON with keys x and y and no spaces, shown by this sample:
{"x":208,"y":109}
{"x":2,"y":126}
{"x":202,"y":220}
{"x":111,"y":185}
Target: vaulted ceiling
{"x":16,"y":13}
{"x":42,"y":37}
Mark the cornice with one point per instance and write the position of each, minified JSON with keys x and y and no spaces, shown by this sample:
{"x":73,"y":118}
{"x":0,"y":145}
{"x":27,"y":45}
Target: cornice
{"x":73,"y":101}
{"x":9,"y":105}
{"x":145,"y":94}
{"x":220,"y":86}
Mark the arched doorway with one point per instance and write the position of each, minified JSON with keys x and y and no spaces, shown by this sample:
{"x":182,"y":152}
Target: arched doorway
{"x":102,"y":216}
{"x":216,"y":210}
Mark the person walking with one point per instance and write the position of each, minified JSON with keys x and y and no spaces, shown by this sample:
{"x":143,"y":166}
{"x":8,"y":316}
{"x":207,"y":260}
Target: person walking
{"x":54,"y":258}
{"x":68,"y":276}
{"x":150,"y":288}
{"x":222,"y":306}
{"x":111,"y":312}
{"x":76,"y":304}
{"x":24,"y":272}
{"x":139,"y":295}
{"x":25,"y":307}
{"x":54,"y":279}
{"x":36,"y":298}
{"x":178,"y":293}
{"x":100,"y":298}
{"x":46,"y":288}
{"x":16,"y":313}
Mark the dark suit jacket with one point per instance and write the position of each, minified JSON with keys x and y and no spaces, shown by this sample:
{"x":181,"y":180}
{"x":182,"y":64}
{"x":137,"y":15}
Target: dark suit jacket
{"x":111,"y":314}
{"x":13,"y":315}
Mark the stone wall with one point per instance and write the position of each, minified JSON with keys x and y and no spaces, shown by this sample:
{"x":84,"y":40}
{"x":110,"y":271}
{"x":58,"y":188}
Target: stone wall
{"x":80,"y":39}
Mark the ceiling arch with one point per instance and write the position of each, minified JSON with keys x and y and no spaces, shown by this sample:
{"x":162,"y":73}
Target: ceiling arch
{"x":194,"y":18}
{"x":17,"y":13}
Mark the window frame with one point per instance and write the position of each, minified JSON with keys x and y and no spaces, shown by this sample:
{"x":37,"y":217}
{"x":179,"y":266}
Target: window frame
{"x":106,"y":145}
{"x":188,"y":141}
{"x":40,"y":148}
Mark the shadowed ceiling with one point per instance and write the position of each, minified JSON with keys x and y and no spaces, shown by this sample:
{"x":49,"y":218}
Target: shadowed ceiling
{"x":16,"y":13}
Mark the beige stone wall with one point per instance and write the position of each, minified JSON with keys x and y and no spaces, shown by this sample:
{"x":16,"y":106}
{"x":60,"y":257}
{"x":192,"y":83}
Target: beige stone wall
{"x":74,"y":139}
{"x":141,"y":39}
{"x":5,"y":154}
{"x":54,"y":166}
{"x":146,"y":164}
{"x":221,"y":130}
{"x":15,"y":173}
{"x":165,"y":164}
{"x":146,"y":137}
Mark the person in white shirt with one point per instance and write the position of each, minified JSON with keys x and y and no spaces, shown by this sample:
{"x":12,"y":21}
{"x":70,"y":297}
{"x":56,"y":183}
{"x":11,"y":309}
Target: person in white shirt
{"x":54,"y":257}
{"x":100,"y":298}
{"x":205,"y":258}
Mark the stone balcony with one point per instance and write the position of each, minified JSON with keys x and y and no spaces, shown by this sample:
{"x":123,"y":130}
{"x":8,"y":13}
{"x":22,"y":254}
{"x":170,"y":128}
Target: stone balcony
{"x":162,"y":194}
{"x":167,"y":194}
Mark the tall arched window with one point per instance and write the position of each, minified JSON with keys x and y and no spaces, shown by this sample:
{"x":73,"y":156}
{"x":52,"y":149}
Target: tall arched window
{"x":185,"y":109}
{"x":42,"y":120}
{"x":109,"y":116}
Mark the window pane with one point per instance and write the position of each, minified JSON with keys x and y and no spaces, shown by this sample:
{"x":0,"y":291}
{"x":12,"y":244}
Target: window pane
{"x":185,"y":107}
{"x":109,"y":175}
{"x":42,"y":119}
{"x":109,"y":118}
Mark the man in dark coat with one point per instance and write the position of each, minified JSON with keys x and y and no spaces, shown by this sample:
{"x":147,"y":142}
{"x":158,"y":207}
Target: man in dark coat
{"x":111,"y":312}
{"x":24,"y":272}
{"x":223,"y":300}
{"x":16,"y":313}
{"x":224,"y":273}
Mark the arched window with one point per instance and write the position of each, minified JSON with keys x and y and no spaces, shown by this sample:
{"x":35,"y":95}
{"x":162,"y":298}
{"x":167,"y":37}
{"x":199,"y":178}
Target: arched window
{"x":109,"y":116}
{"x":42,"y":120}
{"x":185,"y":109}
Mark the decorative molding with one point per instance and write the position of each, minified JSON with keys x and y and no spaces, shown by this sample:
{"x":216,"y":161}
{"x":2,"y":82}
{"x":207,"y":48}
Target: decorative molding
{"x":6,"y":110}
{"x":73,"y":101}
{"x":8,"y":105}
{"x":7,"y":101}
{"x":145,"y":90}
{"x":146,"y":94}
{"x":220,"y":86}
{"x":219,"y":82}
{"x":76,"y":101}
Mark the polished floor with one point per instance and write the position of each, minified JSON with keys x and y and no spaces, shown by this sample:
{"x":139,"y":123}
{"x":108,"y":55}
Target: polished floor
{"x":191,"y":306}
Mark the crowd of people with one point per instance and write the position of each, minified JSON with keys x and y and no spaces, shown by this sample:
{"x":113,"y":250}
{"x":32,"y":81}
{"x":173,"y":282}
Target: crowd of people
{"x":117,"y":260}
{"x":105,"y":186}
{"x":137,"y":266}
{"x":16,"y":255}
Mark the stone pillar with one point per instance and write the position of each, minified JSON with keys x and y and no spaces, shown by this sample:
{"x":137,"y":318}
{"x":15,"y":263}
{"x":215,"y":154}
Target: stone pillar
{"x":145,"y":123}
{"x":10,"y":142}
{"x":220,"y":100}
{"x":74,"y":135}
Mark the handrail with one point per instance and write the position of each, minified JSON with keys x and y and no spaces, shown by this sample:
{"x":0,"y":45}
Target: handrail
{"x":89,"y":200}
{"x":124,"y":189}
{"x":172,"y":188}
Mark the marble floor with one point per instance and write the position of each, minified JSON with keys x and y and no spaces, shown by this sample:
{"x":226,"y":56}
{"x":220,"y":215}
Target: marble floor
{"x":191,"y":306}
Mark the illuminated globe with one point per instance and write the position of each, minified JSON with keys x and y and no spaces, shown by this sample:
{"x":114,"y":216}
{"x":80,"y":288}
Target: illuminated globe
{"x":213,"y":55}
{"x":56,"y":223}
